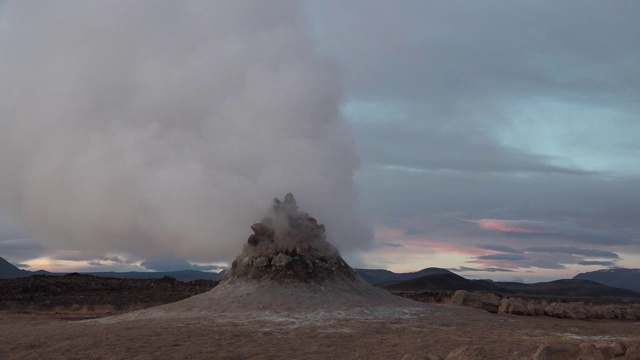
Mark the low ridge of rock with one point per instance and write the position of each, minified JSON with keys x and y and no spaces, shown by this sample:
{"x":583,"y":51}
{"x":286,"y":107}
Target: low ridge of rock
{"x":611,"y":349}
{"x":488,"y":302}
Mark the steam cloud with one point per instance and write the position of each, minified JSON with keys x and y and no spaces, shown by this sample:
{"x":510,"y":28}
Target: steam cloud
{"x":165,"y":128}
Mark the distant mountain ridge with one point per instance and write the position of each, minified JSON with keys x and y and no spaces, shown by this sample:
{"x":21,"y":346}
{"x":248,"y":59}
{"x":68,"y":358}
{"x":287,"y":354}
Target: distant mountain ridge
{"x":601,"y":283}
{"x":566,"y":288}
{"x":571,"y":288}
{"x":377,"y":276}
{"x":442,"y":282}
{"x":373,"y":276}
{"x":621,"y":278}
{"x":9,"y":271}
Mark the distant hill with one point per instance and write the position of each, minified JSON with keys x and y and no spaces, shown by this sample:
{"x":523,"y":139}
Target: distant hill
{"x":574,"y":288}
{"x":9,"y":271}
{"x":442,"y":282}
{"x":377,"y":276}
{"x":621,"y":278}
{"x":566,"y":288}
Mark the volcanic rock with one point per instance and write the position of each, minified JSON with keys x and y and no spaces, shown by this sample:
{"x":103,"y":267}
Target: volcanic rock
{"x":281,"y":260}
{"x":513,"y":306}
{"x":611,"y":349}
{"x":261,"y":262}
{"x":559,"y":310}
{"x":488,"y":302}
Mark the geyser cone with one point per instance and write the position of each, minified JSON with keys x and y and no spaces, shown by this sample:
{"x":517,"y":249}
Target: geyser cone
{"x":287,"y":247}
{"x":287,"y":267}
{"x":287,"y":263}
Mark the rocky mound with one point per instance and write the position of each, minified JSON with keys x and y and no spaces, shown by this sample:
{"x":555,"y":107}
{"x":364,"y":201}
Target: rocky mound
{"x":289,"y":246}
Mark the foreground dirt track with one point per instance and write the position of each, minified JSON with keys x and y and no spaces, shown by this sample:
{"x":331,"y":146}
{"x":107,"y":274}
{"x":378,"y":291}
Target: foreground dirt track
{"x":437,"y":330}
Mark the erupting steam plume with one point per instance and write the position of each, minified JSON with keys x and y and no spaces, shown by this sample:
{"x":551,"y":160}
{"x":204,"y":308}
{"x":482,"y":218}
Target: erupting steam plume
{"x":289,"y":246}
{"x":152,"y":128}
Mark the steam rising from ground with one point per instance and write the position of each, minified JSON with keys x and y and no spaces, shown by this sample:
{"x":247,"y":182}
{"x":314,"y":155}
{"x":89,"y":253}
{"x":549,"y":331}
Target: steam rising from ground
{"x":161,"y":128}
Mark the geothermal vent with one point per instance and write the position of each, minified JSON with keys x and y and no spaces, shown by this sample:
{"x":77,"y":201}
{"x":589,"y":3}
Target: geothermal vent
{"x":286,"y":267}
{"x":288,"y":247}
{"x":287,"y":263}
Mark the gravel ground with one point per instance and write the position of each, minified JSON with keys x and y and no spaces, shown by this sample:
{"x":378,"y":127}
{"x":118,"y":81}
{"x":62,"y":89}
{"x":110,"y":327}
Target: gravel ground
{"x":239,"y":328}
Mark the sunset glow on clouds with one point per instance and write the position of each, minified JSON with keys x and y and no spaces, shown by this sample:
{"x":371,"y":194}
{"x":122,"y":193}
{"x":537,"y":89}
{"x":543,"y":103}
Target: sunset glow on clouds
{"x":526,"y":259}
{"x":396,"y":251}
{"x":521,"y":226}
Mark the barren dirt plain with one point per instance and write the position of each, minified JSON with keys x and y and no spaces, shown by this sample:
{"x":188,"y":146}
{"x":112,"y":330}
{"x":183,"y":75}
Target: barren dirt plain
{"x":382,"y":333}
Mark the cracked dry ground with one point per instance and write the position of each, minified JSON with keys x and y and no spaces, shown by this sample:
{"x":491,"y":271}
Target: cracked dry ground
{"x":437,"y":330}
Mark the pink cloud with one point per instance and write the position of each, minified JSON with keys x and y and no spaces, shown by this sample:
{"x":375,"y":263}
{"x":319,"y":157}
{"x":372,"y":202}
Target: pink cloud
{"x":518,"y":226}
{"x":423,"y":243}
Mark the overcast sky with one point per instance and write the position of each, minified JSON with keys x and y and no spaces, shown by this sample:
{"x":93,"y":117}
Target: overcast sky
{"x":495,"y":136}
{"x":498,"y":139}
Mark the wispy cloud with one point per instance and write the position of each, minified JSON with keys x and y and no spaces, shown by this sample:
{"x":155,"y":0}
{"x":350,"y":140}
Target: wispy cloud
{"x":542,"y":264}
{"x":91,"y":256}
{"x":500,"y":248}
{"x":509,"y":257}
{"x":487,"y":269}
{"x":596,"y":263}
{"x":393,"y":245}
{"x":573,"y":251}
{"x":559,"y":229}
{"x":515,"y":226}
